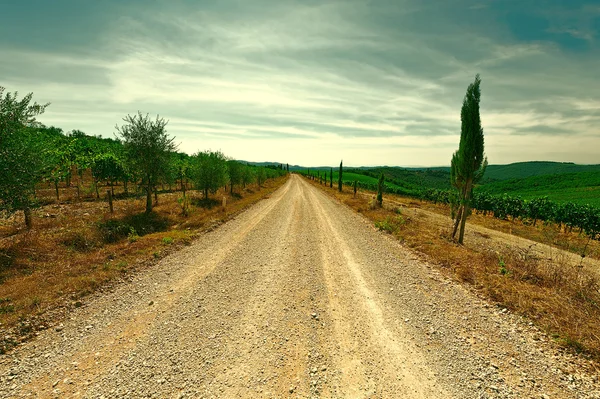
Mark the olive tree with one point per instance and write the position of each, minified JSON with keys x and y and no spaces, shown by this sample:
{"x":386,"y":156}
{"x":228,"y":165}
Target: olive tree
{"x":147,"y":149}
{"x":209,"y":171}
{"x":21,"y":153}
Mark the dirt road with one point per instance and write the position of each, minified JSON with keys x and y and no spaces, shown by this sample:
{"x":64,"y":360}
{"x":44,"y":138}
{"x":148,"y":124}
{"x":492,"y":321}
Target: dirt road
{"x":298,"y":297}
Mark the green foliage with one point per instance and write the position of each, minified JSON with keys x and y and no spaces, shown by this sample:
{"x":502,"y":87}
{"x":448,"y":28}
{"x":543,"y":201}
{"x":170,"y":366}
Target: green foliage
{"x":502,"y":267}
{"x":167,"y":240}
{"x":340,"y":178}
{"x":22,"y":155}
{"x":390,"y":224}
{"x":522,"y":170}
{"x":380,"y":187}
{"x":209,"y":171}
{"x":147,"y":149}
{"x":468,"y":163}
{"x":131,"y":227}
{"x":261,"y":176}
{"x":234,"y":169}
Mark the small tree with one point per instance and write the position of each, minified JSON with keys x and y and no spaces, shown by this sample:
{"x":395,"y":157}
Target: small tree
{"x":247,"y":175}
{"x":234,"y":169}
{"x":468,"y":163}
{"x":340,"y":178}
{"x":21,"y":154}
{"x":147,"y":147}
{"x":354,"y":186}
{"x":261,"y":176}
{"x":210,"y":171}
{"x":380,"y":188}
{"x":331,"y":178}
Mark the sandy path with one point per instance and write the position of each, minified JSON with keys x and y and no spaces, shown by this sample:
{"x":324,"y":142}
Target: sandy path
{"x":298,"y":297}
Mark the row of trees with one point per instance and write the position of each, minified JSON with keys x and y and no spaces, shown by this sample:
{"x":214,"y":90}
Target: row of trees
{"x":143,"y":154}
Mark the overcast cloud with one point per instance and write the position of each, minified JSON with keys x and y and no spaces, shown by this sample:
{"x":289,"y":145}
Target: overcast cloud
{"x":312,"y":82}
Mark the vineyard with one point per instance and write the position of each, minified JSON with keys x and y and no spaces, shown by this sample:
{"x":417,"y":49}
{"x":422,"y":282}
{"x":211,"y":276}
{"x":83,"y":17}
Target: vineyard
{"x":567,"y":215}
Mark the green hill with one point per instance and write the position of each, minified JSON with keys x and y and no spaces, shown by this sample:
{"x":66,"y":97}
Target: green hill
{"x":581,"y":187}
{"x":522,"y":170}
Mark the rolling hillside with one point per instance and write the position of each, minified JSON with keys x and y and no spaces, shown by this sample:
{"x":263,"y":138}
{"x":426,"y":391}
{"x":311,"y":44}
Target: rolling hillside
{"x":558,"y":181}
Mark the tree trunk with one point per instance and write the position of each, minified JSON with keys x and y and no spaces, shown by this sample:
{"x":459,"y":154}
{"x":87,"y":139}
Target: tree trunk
{"x":148,"y":199}
{"x":97,"y":193}
{"x":112,"y":188}
{"x":56,"y":189}
{"x":463,"y":222}
{"x":457,"y":221}
{"x":466,"y":208}
{"x":156,"y":196}
{"x":28,"y":222}
{"x":109,"y":196}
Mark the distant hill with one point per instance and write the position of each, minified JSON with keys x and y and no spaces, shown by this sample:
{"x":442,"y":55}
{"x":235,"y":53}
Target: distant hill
{"x":560,"y":181}
{"x":522,"y":170}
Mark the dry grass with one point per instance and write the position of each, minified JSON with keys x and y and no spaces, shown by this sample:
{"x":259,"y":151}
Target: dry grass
{"x":556,"y":295}
{"x":76,"y":248}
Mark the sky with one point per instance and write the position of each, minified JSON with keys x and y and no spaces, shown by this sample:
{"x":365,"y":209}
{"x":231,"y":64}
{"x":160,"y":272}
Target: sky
{"x":311,"y":82}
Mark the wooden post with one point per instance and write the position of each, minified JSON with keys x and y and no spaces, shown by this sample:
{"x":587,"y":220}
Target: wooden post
{"x":110,"y":200}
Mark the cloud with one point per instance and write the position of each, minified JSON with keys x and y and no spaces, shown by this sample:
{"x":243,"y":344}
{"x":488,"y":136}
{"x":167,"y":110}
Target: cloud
{"x":309,"y":82}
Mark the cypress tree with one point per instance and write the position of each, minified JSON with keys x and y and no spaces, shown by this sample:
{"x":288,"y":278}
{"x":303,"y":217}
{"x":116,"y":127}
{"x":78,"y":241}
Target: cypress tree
{"x":340,"y":178}
{"x":380,"y":190}
{"x":331,"y":178}
{"x":468,"y":163}
{"x":354,"y":185}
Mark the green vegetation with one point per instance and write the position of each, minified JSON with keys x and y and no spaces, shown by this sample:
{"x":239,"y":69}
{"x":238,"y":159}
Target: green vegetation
{"x":468,"y":162}
{"x":521,"y":170}
{"x":147,"y":148}
{"x":340,"y":181}
{"x":581,"y":187}
{"x":21,"y":155}
{"x":380,"y":186}
{"x":33,"y":155}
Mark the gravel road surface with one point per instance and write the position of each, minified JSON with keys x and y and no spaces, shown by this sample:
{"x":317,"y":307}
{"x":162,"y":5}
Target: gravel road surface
{"x":298,"y":297}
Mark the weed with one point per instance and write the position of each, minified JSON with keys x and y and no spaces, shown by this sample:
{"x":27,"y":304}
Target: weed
{"x":132,"y":236}
{"x":167,"y":240}
{"x":114,"y":230}
{"x":502,"y":266}
{"x":78,"y":241}
{"x":390,"y":224}
{"x":36,"y":301}
{"x":6,"y":306}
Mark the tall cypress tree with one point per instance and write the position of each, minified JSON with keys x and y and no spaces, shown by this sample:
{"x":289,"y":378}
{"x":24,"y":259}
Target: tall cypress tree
{"x":331,"y":178}
{"x":468,"y":162}
{"x":340,"y":178}
{"x":380,"y":190}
